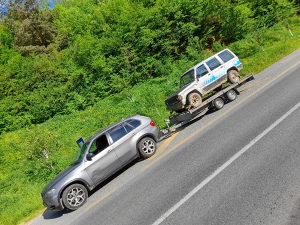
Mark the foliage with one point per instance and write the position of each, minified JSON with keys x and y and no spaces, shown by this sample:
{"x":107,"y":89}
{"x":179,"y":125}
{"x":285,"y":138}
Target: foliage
{"x":24,"y":168}
{"x":60,"y":60}
{"x":86,"y":64}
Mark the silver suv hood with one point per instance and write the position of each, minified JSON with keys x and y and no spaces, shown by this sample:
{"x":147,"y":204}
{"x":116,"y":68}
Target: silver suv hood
{"x":61,"y":176}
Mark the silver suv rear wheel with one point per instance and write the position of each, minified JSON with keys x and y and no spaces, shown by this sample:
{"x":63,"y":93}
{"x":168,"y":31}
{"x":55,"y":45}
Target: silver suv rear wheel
{"x":147,"y":147}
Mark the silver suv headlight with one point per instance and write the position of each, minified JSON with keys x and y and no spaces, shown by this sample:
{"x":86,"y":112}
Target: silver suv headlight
{"x":50,"y":192}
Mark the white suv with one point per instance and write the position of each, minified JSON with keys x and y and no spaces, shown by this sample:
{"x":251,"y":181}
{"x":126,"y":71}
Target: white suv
{"x":203,"y":78}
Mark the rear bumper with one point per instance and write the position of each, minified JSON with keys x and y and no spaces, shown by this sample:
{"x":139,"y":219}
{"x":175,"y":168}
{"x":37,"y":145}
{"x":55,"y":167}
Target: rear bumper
{"x":156,"y":133}
{"x":174,"y":106}
{"x":240,"y":67}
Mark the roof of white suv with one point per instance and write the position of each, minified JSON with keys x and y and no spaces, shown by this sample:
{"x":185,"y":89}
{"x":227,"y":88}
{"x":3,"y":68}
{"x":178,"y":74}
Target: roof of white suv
{"x":205,"y":60}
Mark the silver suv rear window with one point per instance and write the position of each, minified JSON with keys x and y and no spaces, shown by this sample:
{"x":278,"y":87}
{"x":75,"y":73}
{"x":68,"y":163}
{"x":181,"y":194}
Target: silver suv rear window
{"x":134,"y":123}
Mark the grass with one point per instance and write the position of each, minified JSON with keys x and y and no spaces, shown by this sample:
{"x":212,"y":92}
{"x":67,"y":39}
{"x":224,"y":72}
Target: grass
{"x":24,"y":170}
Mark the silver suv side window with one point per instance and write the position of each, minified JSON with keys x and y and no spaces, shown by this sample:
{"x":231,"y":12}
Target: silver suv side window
{"x":225,"y":56}
{"x":99,"y":144}
{"x":117,"y":132}
{"x":128,"y":127}
{"x":201,"y":71}
{"x":213,"y":63}
{"x":131,"y":125}
{"x":134,"y":123}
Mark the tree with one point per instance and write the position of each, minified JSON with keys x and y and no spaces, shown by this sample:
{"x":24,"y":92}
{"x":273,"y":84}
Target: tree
{"x":31,"y":25}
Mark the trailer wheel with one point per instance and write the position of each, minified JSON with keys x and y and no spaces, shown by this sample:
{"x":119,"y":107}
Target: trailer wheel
{"x":233,"y":76}
{"x":231,"y":95}
{"x":194,"y":99}
{"x":218,"y":103}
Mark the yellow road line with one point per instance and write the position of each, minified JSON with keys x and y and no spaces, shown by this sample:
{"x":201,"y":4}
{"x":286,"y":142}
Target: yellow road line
{"x":100,"y":199}
{"x":218,"y":117}
{"x":163,"y":146}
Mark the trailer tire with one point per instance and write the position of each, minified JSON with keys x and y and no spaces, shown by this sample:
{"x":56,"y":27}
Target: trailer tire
{"x":218,"y":103}
{"x":231,"y":95}
{"x":233,"y":76}
{"x":194,"y":99}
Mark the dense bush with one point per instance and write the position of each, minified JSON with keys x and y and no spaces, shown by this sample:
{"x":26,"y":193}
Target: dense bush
{"x":60,"y":60}
{"x":105,"y":60}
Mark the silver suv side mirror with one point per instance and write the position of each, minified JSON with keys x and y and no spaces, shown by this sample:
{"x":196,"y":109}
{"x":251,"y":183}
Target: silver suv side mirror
{"x":89,"y":156}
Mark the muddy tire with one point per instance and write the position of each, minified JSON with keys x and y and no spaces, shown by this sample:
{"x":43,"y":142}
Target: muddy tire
{"x":194,"y":100}
{"x":233,"y":76}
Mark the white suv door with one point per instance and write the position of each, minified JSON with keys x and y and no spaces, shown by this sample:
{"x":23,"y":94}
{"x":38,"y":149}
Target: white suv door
{"x":216,"y":76}
{"x":202,"y":74}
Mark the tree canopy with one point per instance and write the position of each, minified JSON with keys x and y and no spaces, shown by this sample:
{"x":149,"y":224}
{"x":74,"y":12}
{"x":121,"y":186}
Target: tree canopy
{"x":62,"y":59}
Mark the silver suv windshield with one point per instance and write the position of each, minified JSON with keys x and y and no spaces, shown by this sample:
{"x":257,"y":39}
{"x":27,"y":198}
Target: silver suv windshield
{"x":187,"y":78}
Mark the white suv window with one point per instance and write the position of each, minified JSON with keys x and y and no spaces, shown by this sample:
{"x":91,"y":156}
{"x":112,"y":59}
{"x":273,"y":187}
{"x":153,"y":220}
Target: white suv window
{"x":201,"y":71}
{"x":225,"y":56}
{"x":213,"y":63}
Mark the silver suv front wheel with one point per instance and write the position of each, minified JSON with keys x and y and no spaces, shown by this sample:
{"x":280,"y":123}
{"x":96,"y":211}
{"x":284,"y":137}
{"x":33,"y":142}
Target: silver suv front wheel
{"x":74,"y":196}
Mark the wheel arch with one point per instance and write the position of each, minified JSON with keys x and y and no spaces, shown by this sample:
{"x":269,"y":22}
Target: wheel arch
{"x":144,"y":136}
{"x":232,"y":68}
{"x":196,"y":91}
{"x":77,"y":181}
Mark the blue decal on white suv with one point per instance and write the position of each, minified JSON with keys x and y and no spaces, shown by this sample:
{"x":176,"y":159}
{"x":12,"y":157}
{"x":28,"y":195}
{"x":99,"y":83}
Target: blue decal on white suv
{"x":236,"y":63}
{"x":212,"y":78}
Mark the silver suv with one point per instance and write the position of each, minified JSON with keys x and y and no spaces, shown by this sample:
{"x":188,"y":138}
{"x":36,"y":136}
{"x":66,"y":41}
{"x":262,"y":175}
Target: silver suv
{"x":203,"y":78}
{"x":101,"y":156}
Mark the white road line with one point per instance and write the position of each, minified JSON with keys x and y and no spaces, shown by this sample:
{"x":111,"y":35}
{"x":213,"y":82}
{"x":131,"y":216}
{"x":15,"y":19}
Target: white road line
{"x":224,"y":166}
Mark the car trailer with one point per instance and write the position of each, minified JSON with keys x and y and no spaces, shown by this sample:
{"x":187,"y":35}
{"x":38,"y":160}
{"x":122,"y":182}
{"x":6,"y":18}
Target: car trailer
{"x":216,"y":101}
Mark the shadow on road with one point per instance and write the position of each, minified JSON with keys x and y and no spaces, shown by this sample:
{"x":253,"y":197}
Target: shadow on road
{"x":50,"y":214}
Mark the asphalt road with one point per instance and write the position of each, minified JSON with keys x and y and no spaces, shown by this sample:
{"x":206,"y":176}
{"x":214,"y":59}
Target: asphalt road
{"x":239,"y":165}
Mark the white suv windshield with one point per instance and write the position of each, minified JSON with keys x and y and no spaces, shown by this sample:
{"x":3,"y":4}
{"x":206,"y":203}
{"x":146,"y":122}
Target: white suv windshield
{"x":187,"y":78}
